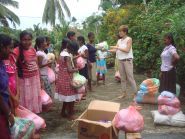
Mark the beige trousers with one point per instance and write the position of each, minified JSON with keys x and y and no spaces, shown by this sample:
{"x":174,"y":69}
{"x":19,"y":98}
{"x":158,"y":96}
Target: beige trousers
{"x":126,"y":72}
{"x":92,"y":72}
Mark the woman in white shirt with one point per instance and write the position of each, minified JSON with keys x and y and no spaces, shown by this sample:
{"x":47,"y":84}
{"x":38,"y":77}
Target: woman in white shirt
{"x":169,"y":58}
{"x":43,"y":62}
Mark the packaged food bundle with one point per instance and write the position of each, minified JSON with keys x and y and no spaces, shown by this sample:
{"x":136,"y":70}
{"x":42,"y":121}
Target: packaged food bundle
{"x":129,"y":120}
{"x":169,"y":99}
{"x":78,"y":80}
{"x":51,"y":56}
{"x":80,"y":64}
{"x":51,"y":75}
{"x":22,"y":129}
{"x":168,"y":110}
{"x":103,"y":45}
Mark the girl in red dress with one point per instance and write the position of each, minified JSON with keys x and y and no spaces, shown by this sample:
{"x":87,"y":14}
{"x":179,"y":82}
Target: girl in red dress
{"x":65,"y":92}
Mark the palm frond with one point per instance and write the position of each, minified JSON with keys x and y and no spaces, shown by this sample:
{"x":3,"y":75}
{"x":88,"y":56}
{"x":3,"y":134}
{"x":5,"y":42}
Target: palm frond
{"x":10,"y":3}
{"x":59,"y":11}
{"x":66,"y":8}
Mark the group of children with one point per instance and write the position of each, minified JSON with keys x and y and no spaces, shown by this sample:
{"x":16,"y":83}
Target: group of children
{"x":26,"y":70}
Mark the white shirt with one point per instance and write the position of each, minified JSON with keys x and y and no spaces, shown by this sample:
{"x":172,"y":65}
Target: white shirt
{"x":102,"y":54}
{"x":166,"y":57}
{"x":82,"y":50}
{"x":122,"y":43}
{"x":43,"y":70}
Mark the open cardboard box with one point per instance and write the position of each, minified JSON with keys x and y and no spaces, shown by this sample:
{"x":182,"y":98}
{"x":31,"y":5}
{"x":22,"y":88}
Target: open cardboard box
{"x":90,"y":125}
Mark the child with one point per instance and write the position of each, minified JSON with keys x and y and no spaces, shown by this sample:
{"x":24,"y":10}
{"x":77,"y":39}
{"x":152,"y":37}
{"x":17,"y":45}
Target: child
{"x":28,"y":72}
{"x":101,"y":65}
{"x":169,"y":59}
{"x":43,"y":62}
{"x":64,"y":89}
{"x":11,"y":70}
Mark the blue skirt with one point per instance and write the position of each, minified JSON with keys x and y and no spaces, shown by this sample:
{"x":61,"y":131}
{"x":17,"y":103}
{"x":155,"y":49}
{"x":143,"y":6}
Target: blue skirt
{"x":101,"y":66}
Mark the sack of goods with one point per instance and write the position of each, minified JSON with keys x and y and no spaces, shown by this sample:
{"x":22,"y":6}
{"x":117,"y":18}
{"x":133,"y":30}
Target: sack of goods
{"x":148,"y":92}
{"x":169,"y":104}
{"x":103,"y":45}
{"x":45,"y":100}
{"x":117,"y":76}
{"x":129,"y":120}
{"x":22,"y":129}
{"x":78,"y":80}
{"x":27,"y":114}
{"x":81,"y":90}
{"x":51,"y":57}
{"x":172,"y":120}
{"x":80,"y":64}
{"x":51,"y":75}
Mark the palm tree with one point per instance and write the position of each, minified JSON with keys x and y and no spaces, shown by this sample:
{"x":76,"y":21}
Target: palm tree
{"x":6,"y":14}
{"x":53,"y":9}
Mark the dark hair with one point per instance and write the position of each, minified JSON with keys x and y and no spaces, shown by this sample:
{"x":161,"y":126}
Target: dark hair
{"x":47,"y":38}
{"x":39,"y":41}
{"x":64,"y":44}
{"x":90,"y":34}
{"x":70,"y":34}
{"x":5,"y":40}
{"x":20,"y":60}
{"x":170,"y":37}
{"x":81,"y":39}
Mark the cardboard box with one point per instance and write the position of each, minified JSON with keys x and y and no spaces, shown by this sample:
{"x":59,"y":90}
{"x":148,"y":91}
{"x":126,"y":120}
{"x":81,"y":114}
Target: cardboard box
{"x":96,"y":121}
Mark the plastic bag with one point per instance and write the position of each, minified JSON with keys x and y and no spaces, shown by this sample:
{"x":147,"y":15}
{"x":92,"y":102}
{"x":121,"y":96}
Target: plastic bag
{"x":80,"y":64}
{"x":27,"y":114}
{"x":103,"y":45}
{"x":117,"y":76}
{"x":81,"y":90}
{"x":145,"y":98}
{"x":174,"y":102}
{"x":175,"y":120}
{"x":129,"y":120}
{"x":22,"y":129}
{"x":51,"y":75}
{"x":78,"y":80}
{"x":51,"y":56}
{"x":45,"y":100}
{"x":168,"y":110}
{"x":167,"y":94}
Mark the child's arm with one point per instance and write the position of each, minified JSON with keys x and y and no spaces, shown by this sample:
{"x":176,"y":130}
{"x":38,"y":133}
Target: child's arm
{"x":69,"y":65}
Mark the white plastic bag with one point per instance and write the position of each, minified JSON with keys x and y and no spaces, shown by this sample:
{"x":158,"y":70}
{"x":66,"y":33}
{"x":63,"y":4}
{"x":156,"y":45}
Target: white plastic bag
{"x":172,"y":120}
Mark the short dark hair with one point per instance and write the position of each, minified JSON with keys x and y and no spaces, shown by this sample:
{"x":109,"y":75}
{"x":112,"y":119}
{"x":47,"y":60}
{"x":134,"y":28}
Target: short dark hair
{"x":81,"y":38}
{"x":5,"y":40}
{"x":90,"y":34}
{"x":39,"y":40}
{"x":170,"y":37}
{"x":24,"y":33}
{"x":64,"y":43}
{"x":70,"y":34}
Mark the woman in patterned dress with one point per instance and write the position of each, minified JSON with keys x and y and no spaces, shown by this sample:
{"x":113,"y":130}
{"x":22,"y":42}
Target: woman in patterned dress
{"x":65,"y":92}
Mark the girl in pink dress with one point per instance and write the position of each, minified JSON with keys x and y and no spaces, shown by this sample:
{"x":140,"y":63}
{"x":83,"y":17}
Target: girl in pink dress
{"x":28,"y":72}
{"x":65,"y":92}
{"x":12,"y":82}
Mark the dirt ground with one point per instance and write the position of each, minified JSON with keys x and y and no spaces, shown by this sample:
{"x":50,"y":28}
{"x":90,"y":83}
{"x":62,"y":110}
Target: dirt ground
{"x":58,"y":127}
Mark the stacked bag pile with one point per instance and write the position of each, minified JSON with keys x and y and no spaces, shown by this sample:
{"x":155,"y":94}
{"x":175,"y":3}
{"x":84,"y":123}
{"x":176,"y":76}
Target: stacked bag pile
{"x":148,"y":92}
{"x":169,"y":111}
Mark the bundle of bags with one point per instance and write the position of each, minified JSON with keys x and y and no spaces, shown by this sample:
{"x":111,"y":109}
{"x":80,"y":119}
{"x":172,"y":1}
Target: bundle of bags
{"x":103,"y":45}
{"x":169,"y":110}
{"x":129,"y":120}
{"x":80,"y":63}
{"x":45,"y":100}
{"x":22,"y":129}
{"x":148,"y":92}
{"x":78,"y":80}
{"x":168,"y":103}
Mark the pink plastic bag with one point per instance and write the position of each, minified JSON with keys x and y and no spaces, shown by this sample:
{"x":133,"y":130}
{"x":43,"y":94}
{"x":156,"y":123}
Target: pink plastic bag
{"x":168,"y":110}
{"x":80,"y":64}
{"x":51,"y":75}
{"x":45,"y":99}
{"x":174,"y":102}
{"x":129,"y":120}
{"x":25,"y":113}
{"x":81,"y":90}
{"x":117,"y":76}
